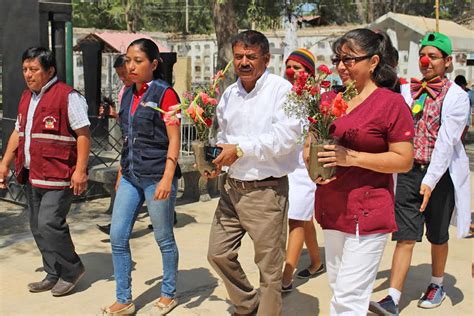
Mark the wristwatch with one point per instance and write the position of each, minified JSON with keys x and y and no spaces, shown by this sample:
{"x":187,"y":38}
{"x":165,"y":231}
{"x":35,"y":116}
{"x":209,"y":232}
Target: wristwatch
{"x":240,"y":153}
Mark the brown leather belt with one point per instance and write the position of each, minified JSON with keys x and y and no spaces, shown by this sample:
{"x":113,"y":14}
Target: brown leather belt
{"x":267,"y":182}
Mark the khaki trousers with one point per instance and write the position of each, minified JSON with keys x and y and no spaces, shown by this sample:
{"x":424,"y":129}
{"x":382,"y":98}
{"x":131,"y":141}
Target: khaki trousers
{"x":262,"y":213}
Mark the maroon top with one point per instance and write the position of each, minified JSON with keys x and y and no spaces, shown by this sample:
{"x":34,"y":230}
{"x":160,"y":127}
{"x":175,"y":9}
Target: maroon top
{"x":360,"y":195}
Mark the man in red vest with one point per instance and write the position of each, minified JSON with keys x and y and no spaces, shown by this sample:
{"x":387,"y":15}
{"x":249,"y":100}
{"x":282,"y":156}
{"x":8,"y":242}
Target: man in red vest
{"x":50,"y":144}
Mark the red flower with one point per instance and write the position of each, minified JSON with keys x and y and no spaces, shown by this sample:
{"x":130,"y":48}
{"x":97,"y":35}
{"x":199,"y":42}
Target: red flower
{"x":312,"y":120}
{"x":192,"y":111}
{"x":298,"y":90}
{"x":339,"y":106}
{"x":301,"y":80}
{"x":324,"y":69}
{"x":208,"y":122}
{"x":325,"y":107}
{"x":314,"y":90}
{"x":325,"y":84}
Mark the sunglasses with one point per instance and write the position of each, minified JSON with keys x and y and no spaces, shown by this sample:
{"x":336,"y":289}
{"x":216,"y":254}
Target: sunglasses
{"x":348,"y":60}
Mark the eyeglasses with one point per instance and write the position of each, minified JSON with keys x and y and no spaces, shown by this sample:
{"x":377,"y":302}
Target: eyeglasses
{"x":349,"y":60}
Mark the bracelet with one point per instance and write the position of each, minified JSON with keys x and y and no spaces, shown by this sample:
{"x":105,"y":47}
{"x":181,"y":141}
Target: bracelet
{"x":174,"y":160}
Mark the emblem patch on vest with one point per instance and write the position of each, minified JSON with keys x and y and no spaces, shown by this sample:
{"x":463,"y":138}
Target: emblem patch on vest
{"x":149,"y":104}
{"x":49,"y":122}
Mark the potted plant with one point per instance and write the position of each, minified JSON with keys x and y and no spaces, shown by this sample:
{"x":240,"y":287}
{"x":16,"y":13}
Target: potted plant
{"x":317,"y":115}
{"x":199,"y":106}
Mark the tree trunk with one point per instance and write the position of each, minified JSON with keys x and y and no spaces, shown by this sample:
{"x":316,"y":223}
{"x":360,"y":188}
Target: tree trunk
{"x":361,"y":11}
{"x":225,"y":25}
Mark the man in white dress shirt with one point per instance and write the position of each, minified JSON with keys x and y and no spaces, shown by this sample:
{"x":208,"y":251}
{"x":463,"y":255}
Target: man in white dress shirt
{"x":259,"y":146}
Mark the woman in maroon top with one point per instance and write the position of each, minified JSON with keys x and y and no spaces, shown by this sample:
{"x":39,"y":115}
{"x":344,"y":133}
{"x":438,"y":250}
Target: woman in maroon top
{"x":356,"y":207}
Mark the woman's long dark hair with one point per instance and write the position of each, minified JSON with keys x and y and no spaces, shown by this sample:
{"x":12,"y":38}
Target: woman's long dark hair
{"x":152,"y":52}
{"x":372,"y":43}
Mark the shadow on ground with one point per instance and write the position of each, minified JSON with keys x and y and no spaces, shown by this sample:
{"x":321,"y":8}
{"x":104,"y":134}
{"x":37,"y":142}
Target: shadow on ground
{"x":194,"y":287}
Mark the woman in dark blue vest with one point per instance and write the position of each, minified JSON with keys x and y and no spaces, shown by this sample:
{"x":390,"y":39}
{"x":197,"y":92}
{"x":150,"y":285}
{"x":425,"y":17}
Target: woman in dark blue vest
{"x":149,"y":172}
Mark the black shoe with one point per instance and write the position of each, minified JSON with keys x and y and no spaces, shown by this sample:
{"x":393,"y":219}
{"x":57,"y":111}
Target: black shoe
{"x":104,"y":228}
{"x":42,"y":286}
{"x":384,"y":307}
{"x":287,"y":289}
{"x":64,"y":287}
{"x":306,"y":274}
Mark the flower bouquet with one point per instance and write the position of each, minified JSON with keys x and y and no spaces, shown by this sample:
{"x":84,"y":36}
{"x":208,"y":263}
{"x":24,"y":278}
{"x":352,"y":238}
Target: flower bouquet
{"x":317,"y":114}
{"x":199,"y":106}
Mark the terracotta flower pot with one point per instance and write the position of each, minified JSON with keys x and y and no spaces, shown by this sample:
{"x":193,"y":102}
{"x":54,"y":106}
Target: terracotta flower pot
{"x":203,"y":163}
{"x":316,"y":168}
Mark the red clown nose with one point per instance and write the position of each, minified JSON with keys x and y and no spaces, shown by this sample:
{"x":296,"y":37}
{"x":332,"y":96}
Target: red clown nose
{"x":290,"y":73}
{"x":425,"y":61}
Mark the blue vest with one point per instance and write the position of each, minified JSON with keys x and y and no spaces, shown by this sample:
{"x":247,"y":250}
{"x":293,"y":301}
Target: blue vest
{"x":145,"y":141}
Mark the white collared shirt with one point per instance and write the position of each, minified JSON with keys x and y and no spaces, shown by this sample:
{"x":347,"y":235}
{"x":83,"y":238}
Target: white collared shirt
{"x":257,"y":123}
{"x":77,"y":115}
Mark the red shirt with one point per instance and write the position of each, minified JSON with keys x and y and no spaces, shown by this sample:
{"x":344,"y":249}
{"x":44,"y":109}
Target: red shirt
{"x":362,"y":197}
{"x":169,"y":98}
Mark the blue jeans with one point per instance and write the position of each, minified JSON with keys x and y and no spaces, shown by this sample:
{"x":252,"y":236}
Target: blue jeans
{"x":130,"y":196}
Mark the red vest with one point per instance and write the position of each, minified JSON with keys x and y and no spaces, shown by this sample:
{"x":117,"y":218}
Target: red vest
{"x":53,"y":147}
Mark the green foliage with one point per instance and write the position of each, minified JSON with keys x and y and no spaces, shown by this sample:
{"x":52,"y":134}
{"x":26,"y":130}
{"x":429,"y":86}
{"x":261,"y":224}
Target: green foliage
{"x":170,"y":15}
{"x":102,"y":14}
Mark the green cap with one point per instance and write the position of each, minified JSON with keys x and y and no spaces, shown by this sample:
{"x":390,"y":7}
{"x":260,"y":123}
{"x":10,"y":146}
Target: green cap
{"x":438,"y":40}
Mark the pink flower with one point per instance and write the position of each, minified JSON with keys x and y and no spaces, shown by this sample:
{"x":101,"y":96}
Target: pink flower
{"x":188,"y":95}
{"x":213,"y":101}
{"x":217,"y":90}
{"x":204,"y":97}
{"x":171,"y":119}
{"x":218,"y":75}
{"x":324,"y":69}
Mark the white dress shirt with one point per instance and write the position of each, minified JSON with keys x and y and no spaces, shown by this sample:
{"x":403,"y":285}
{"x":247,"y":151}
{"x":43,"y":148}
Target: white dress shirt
{"x":449,"y":153}
{"x":77,"y":115}
{"x":257,"y":123}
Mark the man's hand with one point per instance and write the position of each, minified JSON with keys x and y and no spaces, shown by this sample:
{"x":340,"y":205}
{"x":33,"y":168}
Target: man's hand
{"x":163,"y":189}
{"x":4,"y":171}
{"x":426,"y":192}
{"x":78,"y":182}
{"x":215,"y":173}
{"x":228,"y":155}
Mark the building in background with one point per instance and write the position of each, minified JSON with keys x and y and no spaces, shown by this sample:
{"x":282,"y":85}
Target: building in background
{"x":406,"y":32}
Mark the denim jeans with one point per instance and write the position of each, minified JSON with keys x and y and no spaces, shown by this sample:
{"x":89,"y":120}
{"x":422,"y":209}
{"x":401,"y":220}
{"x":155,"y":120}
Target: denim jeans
{"x":130,"y":196}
